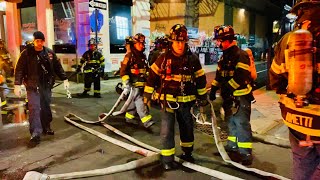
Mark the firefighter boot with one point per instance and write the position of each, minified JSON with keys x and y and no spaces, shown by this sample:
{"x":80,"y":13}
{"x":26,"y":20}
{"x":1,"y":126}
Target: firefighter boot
{"x":233,"y":153}
{"x":97,"y":95}
{"x":84,"y":94}
{"x":169,"y":165}
{"x":187,"y":157}
{"x":246,"y":159}
{"x":148,"y":124}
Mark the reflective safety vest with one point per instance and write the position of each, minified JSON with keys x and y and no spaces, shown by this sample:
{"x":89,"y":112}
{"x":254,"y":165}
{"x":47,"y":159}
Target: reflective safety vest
{"x":233,"y":72}
{"x":176,"y":79}
{"x":134,"y":69}
{"x":92,"y":61}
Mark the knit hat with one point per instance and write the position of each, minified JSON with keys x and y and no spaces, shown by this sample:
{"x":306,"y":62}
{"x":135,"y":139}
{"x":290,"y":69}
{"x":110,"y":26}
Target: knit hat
{"x":38,"y":35}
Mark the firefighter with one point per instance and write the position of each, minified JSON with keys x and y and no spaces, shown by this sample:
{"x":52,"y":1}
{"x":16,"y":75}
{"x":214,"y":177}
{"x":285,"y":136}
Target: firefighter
{"x":5,"y":60}
{"x":92,"y":62}
{"x":161,"y":45}
{"x":234,"y":80}
{"x":294,"y":74}
{"x":133,"y":73}
{"x":178,"y":81}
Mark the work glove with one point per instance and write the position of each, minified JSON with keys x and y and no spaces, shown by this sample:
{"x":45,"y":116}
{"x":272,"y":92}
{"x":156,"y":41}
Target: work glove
{"x":17,"y":90}
{"x":66,"y":84}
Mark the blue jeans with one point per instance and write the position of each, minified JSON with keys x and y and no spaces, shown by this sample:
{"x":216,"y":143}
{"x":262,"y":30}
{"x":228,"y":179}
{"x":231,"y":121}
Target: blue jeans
{"x":306,"y":160}
{"x":40,"y":114}
{"x":239,"y":124}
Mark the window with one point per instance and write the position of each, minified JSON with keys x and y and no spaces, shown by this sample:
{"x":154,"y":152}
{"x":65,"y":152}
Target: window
{"x":122,"y":27}
{"x":64,"y":23}
{"x":28,"y":23}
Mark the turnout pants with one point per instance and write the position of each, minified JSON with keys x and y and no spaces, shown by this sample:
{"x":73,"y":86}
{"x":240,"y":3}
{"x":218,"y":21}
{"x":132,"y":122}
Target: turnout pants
{"x":167,"y":133}
{"x":240,"y":135}
{"x":90,"y":78}
{"x":40,"y":115}
{"x":137,"y":106}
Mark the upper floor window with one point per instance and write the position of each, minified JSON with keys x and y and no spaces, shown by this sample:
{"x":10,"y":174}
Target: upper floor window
{"x":64,"y":23}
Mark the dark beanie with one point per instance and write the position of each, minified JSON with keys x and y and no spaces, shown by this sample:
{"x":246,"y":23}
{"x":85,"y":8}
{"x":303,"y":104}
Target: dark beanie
{"x":38,"y":35}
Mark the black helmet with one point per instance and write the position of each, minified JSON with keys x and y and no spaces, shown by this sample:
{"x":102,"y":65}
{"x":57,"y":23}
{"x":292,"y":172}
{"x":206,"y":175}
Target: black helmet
{"x":164,"y":42}
{"x":224,"y":32}
{"x":157,"y":41}
{"x":129,"y":40}
{"x":301,"y":4}
{"x":92,"y":41}
{"x":178,"y":32}
{"x":139,"y":38}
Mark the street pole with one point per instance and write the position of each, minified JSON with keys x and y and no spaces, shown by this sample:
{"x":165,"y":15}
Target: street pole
{"x":96,"y":25}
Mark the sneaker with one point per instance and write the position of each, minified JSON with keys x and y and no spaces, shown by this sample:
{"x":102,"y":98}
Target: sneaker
{"x":187,"y":157}
{"x":246,"y":159}
{"x":148,"y":123}
{"x":169,"y":166}
{"x":97,"y":95}
{"x":34,"y":141}
{"x":48,"y":131}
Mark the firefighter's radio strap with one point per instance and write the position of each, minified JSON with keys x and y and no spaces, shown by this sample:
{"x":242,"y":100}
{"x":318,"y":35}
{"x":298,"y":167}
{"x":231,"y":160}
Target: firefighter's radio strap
{"x":305,"y":120}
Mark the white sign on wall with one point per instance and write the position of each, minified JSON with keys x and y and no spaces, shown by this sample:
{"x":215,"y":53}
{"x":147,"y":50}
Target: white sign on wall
{"x":99,"y":28}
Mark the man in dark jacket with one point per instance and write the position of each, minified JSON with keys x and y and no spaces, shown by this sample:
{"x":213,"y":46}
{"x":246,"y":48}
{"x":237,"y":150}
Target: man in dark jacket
{"x":36,"y":68}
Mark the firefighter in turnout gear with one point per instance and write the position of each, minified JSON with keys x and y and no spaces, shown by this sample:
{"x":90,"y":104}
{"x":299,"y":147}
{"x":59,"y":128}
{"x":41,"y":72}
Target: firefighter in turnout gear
{"x":133,"y":73}
{"x":161,"y":45}
{"x":234,"y":80}
{"x":176,"y":79}
{"x":295,"y":75}
{"x":92,"y":62}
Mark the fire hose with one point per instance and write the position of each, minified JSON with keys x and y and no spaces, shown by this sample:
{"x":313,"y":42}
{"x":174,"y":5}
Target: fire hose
{"x":151,"y":157}
{"x":104,"y":116}
{"x":200,"y":118}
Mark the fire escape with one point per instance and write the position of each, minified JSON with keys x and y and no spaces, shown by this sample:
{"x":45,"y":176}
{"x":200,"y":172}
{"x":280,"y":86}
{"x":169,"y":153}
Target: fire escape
{"x":191,"y":10}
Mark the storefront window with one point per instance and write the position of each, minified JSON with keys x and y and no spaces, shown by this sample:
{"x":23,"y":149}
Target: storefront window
{"x":64,"y":23}
{"x":28,"y":23}
{"x":122,"y":27}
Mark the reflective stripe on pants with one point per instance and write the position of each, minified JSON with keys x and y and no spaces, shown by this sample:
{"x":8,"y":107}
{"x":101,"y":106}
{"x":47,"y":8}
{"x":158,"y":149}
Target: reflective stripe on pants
{"x":137,"y":106}
{"x":167,"y":134}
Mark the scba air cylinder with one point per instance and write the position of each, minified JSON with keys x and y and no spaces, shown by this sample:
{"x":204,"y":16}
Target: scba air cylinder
{"x":300,"y":56}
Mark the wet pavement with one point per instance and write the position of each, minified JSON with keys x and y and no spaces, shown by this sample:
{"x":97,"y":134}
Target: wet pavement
{"x":72,"y":149}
